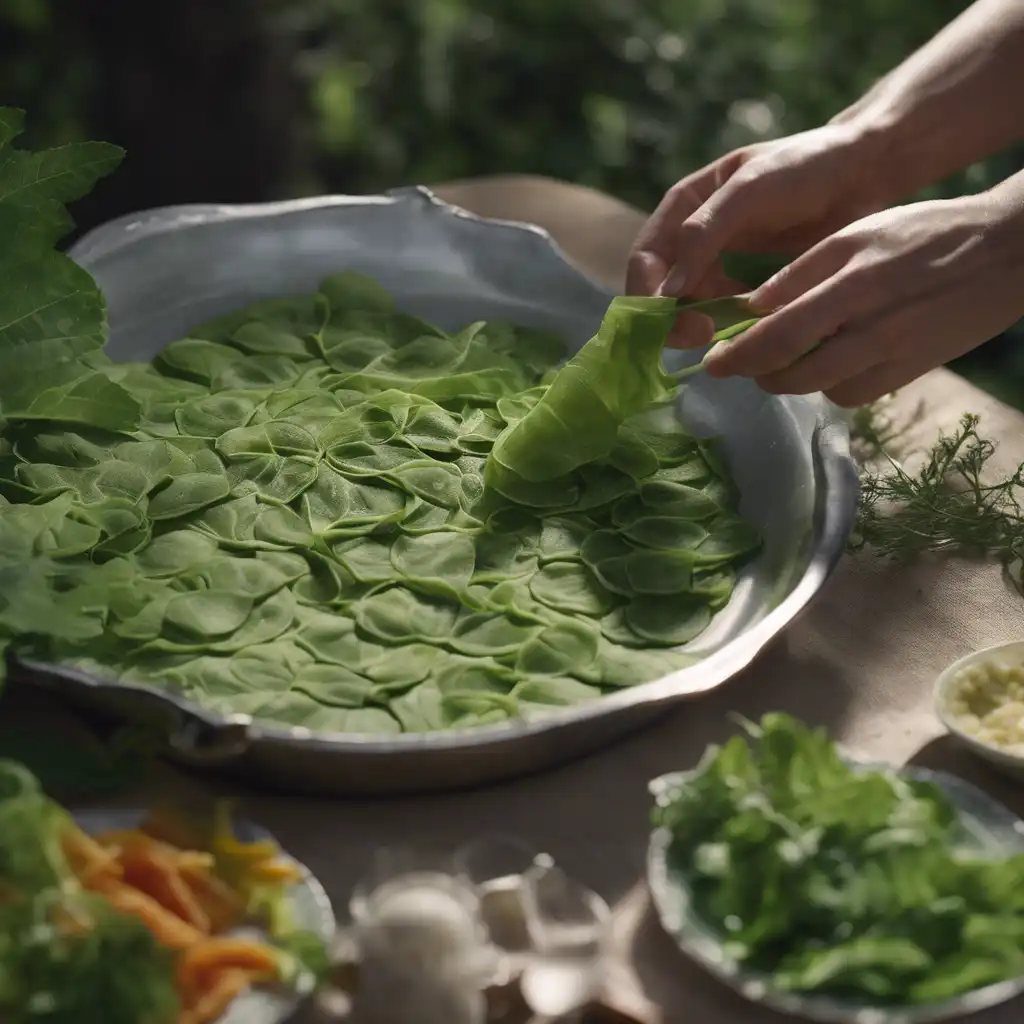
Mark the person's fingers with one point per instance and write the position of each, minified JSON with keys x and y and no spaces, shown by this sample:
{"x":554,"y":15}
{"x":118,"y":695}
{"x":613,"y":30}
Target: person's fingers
{"x":879,"y":380}
{"x":644,"y":273}
{"x":695,"y":330}
{"x":829,"y":300}
{"x":654,"y":250}
{"x":794,"y":280}
{"x":702,"y":238}
{"x":691,"y":330}
{"x":716,"y":284}
{"x":847,"y":354}
{"x":924,"y":333}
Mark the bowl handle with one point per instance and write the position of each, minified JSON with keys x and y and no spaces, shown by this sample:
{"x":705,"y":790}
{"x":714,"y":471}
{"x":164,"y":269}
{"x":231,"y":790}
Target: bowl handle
{"x":187,"y":731}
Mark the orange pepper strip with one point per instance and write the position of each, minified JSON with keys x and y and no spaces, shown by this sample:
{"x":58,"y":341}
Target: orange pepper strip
{"x":210,"y":957}
{"x":168,"y":929}
{"x":154,"y":873}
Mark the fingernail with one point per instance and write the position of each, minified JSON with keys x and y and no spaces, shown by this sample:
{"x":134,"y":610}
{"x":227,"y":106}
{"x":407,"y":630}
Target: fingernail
{"x":650,"y":272}
{"x":675,"y":282}
{"x":760,"y":301}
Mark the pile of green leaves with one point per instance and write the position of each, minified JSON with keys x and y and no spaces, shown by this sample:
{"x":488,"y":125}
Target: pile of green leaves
{"x":297,"y":525}
{"x":66,"y":957}
{"x":837,"y":879}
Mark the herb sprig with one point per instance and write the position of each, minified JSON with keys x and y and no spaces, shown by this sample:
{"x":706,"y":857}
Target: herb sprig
{"x":950,"y":503}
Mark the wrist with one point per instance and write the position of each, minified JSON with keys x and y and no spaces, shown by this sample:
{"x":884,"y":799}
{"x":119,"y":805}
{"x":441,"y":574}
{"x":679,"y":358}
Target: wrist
{"x":1003,"y":207}
{"x":874,"y":142}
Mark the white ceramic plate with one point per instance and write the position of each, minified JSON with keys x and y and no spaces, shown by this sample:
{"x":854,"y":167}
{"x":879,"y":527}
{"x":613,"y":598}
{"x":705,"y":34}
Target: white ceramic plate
{"x":310,"y":906}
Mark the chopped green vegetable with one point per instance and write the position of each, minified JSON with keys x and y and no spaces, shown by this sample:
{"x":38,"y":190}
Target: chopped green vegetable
{"x":837,"y":879}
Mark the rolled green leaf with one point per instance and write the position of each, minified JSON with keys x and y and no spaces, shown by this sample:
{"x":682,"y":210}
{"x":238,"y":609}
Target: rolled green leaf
{"x":617,"y":374}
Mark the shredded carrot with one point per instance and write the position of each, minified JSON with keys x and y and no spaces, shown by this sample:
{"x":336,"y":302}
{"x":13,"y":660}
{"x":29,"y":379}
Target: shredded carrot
{"x":194,"y":861}
{"x":155,"y":874}
{"x":168,"y":929}
{"x":211,"y":957}
{"x":227,"y":987}
{"x":276,"y":872}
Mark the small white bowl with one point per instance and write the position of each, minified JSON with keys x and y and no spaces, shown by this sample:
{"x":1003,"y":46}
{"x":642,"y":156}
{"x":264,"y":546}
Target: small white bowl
{"x":1009,"y":653}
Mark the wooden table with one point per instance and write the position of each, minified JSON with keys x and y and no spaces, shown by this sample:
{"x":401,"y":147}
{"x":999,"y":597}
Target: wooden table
{"x":861,"y":661}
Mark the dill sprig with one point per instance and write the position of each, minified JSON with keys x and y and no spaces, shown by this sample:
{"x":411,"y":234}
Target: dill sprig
{"x":875,"y":432}
{"x":946,"y":505}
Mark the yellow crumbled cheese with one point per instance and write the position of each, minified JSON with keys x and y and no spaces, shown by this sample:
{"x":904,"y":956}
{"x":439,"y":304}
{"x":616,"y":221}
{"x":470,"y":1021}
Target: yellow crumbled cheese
{"x":986,"y":701}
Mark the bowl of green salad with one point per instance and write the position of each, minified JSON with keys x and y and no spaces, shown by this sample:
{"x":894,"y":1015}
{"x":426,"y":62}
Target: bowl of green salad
{"x":370,"y":494}
{"x":836,"y":890}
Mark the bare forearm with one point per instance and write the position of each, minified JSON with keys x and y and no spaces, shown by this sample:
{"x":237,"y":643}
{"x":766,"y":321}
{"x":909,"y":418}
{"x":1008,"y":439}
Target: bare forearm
{"x":955,"y":101}
{"x":1005,"y":203}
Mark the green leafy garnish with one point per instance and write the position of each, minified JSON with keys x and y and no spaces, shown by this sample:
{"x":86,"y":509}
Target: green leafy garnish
{"x":72,"y":959}
{"x":949,"y":503}
{"x":837,"y":879}
{"x":31,"y":859}
{"x":51,"y":311}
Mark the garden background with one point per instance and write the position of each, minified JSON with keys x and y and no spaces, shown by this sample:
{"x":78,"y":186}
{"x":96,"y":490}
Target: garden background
{"x":250,"y":100}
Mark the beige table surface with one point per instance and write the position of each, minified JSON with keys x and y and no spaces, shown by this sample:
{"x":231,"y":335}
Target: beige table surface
{"x":861,"y":662}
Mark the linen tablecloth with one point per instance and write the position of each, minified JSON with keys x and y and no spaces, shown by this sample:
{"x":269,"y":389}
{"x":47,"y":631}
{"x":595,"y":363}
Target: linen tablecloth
{"x":861,"y":661}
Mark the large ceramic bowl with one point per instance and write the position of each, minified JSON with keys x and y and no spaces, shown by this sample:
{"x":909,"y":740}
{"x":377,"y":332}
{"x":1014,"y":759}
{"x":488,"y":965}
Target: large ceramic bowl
{"x":166,"y":270}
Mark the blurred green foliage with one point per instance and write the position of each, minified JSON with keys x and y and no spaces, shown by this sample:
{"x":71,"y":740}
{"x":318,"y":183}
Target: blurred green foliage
{"x":253,"y":99}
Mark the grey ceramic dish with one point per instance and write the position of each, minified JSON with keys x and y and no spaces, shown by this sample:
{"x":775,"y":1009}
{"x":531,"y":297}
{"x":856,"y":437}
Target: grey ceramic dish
{"x":166,"y":270}
{"x":989,"y":829}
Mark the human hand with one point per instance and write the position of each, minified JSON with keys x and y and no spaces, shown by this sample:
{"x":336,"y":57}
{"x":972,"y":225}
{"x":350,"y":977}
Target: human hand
{"x":885,"y":299}
{"x":778,"y":197}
